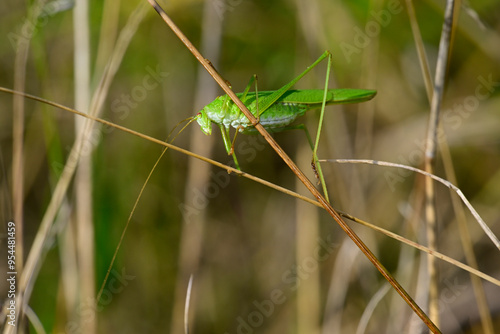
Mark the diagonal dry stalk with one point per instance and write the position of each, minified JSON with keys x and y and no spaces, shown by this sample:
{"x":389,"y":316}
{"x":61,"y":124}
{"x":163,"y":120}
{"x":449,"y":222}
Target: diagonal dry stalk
{"x":104,"y":319}
{"x":296,"y":170}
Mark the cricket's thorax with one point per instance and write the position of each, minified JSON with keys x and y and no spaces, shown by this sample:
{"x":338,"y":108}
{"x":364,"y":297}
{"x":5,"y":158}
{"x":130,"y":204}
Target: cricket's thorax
{"x":223,"y":111}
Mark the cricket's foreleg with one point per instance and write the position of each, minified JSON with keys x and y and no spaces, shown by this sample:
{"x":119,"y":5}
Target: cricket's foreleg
{"x":228,"y":144}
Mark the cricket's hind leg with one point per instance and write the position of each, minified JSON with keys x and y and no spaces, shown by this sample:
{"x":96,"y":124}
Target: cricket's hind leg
{"x":315,"y":165}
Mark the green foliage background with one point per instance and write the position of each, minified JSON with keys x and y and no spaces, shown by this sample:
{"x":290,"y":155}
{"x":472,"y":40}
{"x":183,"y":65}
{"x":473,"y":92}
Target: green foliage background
{"x":249,"y":235}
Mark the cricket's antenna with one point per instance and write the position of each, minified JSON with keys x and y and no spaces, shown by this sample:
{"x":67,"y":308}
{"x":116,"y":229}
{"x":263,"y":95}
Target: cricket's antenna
{"x":189,"y":120}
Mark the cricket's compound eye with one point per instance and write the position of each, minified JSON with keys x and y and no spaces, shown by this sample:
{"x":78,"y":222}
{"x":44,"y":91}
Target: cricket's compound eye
{"x":204,"y":122}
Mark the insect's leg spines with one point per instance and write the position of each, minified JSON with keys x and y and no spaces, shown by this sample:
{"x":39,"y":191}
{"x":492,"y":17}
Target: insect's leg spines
{"x":315,"y":171}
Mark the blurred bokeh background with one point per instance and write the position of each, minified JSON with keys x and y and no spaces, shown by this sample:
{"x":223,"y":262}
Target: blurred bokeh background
{"x":262,"y":261}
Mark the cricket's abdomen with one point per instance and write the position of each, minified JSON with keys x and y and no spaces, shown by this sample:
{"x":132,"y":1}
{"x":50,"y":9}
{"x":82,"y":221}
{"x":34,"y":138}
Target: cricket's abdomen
{"x":281,"y":114}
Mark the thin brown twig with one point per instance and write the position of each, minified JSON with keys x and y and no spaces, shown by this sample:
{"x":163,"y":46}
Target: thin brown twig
{"x":268,"y":184}
{"x":296,"y":170}
{"x":157,"y":141}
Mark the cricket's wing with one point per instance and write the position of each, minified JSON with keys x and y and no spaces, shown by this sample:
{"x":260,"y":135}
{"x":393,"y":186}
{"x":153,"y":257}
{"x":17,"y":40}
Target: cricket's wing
{"x":333,"y":96}
{"x":315,"y":96}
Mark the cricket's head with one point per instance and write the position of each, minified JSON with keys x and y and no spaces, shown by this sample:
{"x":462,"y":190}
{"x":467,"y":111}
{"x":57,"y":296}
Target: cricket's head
{"x":204,"y":122}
